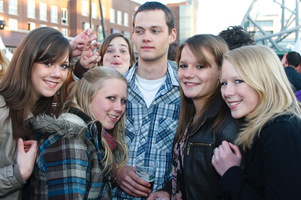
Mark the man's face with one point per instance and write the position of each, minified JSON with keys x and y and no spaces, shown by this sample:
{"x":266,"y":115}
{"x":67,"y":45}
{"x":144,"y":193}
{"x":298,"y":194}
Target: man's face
{"x":151,"y":36}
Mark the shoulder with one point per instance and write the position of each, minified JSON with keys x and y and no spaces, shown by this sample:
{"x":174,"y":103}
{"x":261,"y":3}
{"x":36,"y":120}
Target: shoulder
{"x":283,"y":130}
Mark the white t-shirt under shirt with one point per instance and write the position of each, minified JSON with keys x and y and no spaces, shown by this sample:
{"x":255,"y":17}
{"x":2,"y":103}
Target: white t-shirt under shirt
{"x":149,"y":88}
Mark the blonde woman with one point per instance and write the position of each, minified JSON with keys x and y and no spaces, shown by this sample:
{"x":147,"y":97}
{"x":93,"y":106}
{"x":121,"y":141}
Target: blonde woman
{"x":256,"y":89}
{"x":79,"y":149}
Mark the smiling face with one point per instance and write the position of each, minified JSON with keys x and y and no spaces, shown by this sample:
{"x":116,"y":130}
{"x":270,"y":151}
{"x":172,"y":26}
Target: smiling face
{"x":109,"y":103}
{"x":47,"y":78}
{"x":238,"y":95}
{"x":117,"y":55}
{"x":197,"y":81}
{"x":151,"y":36}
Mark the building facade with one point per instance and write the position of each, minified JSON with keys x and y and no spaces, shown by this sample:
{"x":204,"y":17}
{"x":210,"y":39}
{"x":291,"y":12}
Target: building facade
{"x":70,"y":17}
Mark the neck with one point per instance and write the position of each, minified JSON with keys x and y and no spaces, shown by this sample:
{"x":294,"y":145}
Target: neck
{"x":151,"y":70}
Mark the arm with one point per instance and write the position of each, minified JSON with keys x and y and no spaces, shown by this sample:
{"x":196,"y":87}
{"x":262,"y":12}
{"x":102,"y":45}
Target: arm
{"x":131,"y":183}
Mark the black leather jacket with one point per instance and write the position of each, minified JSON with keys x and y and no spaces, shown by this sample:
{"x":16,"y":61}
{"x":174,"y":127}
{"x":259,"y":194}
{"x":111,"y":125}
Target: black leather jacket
{"x":199,"y":180}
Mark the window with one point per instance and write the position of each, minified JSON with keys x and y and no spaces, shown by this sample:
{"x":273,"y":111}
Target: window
{"x":31,"y":26}
{"x":85,"y":8}
{"x":119,"y":17}
{"x":53,"y":18}
{"x":112,"y":15}
{"x":64,"y":16}
{"x":1,"y":5}
{"x":13,"y":7}
{"x":94,"y":10}
{"x":43,"y":11}
{"x":31,"y":9}
{"x":13,"y":24}
{"x":65,"y":32}
{"x":125,"y":19}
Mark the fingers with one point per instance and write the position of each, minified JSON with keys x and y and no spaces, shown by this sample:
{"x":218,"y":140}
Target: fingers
{"x":20,"y":146}
{"x":235,"y":149}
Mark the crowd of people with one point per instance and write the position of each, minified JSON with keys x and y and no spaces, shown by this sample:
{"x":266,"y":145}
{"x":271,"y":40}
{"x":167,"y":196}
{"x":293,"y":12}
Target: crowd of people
{"x":220,"y":115}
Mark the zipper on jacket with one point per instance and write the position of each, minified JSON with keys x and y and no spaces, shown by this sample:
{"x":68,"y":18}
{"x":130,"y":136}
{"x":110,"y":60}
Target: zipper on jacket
{"x":198,"y":144}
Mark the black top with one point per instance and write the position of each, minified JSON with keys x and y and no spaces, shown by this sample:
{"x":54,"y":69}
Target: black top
{"x":273,"y":164}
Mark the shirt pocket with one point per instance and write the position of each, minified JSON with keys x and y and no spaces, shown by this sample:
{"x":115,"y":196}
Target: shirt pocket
{"x":166,"y":134}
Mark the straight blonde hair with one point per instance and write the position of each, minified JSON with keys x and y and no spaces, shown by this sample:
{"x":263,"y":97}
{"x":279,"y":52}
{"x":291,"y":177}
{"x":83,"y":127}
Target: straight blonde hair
{"x":261,"y":69}
{"x":81,"y":97}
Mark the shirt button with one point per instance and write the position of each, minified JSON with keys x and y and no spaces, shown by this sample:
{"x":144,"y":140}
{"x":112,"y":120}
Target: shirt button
{"x":143,"y":140}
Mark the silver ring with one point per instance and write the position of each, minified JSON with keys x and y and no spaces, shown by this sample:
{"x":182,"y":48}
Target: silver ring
{"x":215,"y":150}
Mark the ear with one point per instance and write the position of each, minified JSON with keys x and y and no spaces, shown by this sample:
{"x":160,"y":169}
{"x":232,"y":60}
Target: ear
{"x":172,"y":35}
{"x":133,"y":37}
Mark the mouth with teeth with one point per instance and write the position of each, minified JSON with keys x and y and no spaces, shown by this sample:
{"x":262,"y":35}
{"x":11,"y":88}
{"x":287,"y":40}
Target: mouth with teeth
{"x":233,"y":104}
{"x":51,"y":84}
{"x":113,"y":118}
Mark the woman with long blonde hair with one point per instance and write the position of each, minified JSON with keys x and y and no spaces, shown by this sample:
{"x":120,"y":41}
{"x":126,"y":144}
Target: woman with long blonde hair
{"x":256,"y":89}
{"x":79,"y":149}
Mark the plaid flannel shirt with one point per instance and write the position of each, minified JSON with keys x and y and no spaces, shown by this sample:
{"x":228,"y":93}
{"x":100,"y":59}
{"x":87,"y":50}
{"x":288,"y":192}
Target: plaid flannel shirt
{"x":150,"y":131}
{"x":68,"y":164}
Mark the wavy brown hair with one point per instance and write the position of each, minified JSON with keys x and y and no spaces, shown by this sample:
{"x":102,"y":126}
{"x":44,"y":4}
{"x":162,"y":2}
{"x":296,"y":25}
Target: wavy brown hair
{"x":40,"y":45}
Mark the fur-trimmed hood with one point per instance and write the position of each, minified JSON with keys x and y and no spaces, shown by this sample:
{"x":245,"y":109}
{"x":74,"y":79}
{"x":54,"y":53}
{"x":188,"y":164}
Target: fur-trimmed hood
{"x":67,"y":124}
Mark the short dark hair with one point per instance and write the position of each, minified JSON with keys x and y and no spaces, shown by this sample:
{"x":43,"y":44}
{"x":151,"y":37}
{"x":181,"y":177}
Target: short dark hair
{"x":236,"y":36}
{"x":153,"y":5}
{"x":293,"y":58}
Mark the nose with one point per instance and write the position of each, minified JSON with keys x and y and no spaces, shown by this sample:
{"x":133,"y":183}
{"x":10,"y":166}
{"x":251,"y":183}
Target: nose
{"x":55,"y":71}
{"x":189,"y":72}
{"x":228,"y":90}
{"x":116,"y":54}
{"x":146,"y":36}
{"x":117,"y":106}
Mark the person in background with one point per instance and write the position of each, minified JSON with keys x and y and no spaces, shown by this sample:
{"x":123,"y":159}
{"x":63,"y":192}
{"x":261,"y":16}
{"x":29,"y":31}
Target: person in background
{"x":79,"y":149}
{"x":291,"y":62}
{"x":3,"y":63}
{"x":153,"y":101}
{"x":116,"y":51}
{"x":37,"y":71}
{"x":256,"y":89}
{"x":236,"y":36}
{"x":204,"y":121}
{"x":172,"y":51}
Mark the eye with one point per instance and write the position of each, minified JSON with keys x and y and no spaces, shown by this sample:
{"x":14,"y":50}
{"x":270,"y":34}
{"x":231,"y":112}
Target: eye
{"x":64,"y":66}
{"x":109,"y":51}
{"x":182,"y":66}
{"x":47,"y":63}
{"x":223,"y":83}
{"x":238,"y":81}
{"x":200,"y":66}
{"x":123,"y":101}
{"x":111,"y":98}
{"x":123,"y":51}
{"x":156,"y":31}
{"x":138,"y":31}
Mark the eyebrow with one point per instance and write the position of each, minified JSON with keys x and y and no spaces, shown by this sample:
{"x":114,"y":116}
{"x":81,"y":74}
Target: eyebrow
{"x":123,"y":45}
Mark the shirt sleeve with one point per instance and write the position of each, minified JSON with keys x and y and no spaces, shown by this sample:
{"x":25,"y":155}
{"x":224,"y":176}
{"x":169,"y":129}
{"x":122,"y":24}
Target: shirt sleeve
{"x":64,"y":170}
{"x":10,"y":179}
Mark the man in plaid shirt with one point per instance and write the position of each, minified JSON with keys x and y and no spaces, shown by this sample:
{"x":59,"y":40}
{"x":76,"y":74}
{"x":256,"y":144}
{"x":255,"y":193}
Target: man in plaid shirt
{"x":153,"y":101}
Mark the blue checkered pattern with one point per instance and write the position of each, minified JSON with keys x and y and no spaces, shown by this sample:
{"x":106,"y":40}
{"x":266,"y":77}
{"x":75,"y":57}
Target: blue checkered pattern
{"x":150,"y":131}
